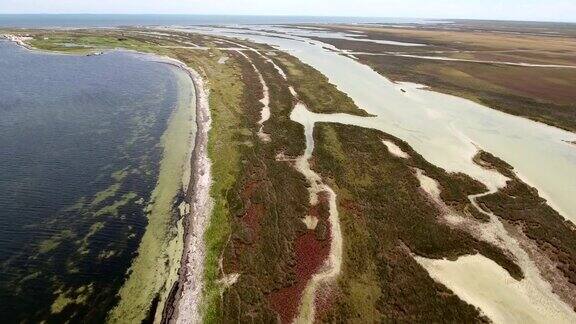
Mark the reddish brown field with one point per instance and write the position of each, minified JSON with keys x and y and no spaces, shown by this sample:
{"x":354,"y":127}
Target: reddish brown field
{"x":311,"y":252}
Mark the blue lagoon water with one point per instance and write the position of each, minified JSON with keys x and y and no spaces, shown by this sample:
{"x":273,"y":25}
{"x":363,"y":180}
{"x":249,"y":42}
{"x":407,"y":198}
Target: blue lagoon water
{"x":79,"y":158}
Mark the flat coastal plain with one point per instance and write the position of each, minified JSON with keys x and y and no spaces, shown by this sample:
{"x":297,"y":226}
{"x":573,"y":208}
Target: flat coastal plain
{"x":303,"y":201}
{"x":524,"y":69}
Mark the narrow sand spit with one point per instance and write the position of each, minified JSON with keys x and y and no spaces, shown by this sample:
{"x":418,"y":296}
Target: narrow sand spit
{"x":185,"y":306}
{"x":395,"y":149}
{"x":19,"y":40}
{"x":499,"y":296}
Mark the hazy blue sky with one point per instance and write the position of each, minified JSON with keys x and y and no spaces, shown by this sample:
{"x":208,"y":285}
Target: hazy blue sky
{"x":554,"y":10}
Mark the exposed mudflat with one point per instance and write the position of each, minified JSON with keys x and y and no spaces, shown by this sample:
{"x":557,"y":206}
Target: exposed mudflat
{"x":483,"y":283}
{"x":499,"y":296}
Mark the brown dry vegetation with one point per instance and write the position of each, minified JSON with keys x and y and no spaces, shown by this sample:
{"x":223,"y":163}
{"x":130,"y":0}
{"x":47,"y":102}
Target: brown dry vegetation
{"x":543,"y":94}
{"x":468,"y":39}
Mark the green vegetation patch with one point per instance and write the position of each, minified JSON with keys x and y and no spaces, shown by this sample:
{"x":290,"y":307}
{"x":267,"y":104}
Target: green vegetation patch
{"x":80,"y":42}
{"x":385,"y":218}
{"x":54,"y":241}
{"x":64,"y":299}
{"x":314,"y":88}
{"x":520,"y":205}
{"x":105,"y":194}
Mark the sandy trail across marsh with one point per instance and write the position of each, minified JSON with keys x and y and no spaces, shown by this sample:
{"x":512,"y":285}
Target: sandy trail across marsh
{"x":265,"y":101}
{"x":332,"y":265}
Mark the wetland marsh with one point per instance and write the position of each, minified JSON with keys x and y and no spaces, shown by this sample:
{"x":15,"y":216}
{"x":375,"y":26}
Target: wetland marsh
{"x":317,"y":190}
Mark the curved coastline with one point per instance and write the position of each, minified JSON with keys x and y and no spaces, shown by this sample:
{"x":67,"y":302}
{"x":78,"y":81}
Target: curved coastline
{"x":159,"y":268}
{"x":181,"y":298}
{"x":178,"y":297}
{"x":157,"y":263}
{"x":183,"y":305}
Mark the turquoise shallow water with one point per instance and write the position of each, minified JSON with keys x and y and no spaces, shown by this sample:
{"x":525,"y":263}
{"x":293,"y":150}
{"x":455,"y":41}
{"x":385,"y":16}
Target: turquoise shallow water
{"x":79,"y":155}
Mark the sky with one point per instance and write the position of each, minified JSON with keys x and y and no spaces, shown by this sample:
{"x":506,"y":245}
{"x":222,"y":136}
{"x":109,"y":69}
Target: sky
{"x":543,"y":10}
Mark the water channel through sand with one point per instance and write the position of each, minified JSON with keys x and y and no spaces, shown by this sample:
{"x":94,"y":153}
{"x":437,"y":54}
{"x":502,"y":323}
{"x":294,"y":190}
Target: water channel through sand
{"x":483,"y":283}
{"x":448,"y":131}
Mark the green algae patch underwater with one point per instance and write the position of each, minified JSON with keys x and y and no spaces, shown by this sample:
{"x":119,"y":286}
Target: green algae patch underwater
{"x":79,"y":165}
{"x":155,"y":268}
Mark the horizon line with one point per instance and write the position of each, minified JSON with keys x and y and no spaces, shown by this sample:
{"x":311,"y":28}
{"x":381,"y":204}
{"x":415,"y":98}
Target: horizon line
{"x":275,"y":15}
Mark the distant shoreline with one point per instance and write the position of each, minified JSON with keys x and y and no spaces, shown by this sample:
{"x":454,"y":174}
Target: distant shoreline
{"x":117,"y":20}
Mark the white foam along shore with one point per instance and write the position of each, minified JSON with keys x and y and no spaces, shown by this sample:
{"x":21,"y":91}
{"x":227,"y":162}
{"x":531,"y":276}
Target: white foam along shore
{"x":185,"y":305}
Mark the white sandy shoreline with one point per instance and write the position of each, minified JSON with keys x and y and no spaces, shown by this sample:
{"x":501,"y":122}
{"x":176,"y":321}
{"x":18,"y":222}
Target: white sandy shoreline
{"x":18,"y":40}
{"x":184,"y":305}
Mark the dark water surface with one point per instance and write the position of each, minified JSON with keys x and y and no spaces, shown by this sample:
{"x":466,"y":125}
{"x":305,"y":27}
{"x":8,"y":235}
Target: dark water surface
{"x":79,"y":158}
